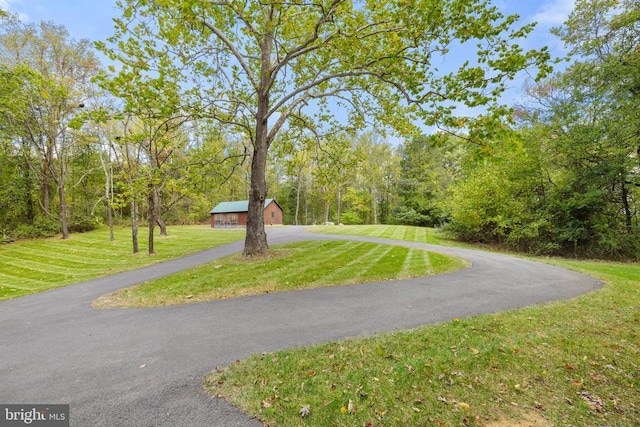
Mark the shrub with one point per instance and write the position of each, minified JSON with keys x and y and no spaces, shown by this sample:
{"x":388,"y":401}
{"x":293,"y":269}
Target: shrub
{"x":351,"y":218}
{"x":42,"y":227}
{"x":82,"y":224}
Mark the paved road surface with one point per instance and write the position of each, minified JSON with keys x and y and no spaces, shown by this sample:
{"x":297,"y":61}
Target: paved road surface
{"x":144,"y":367}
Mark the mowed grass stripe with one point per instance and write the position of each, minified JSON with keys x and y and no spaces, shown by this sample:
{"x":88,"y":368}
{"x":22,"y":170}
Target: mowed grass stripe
{"x":13,"y":291}
{"x":385,"y":262}
{"x":416,"y":262}
{"x":368,"y":230}
{"x":317,"y":261}
{"x":36,"y":274}
{"x":54,"y":259}
{"x":397,"y":232}
{"x":421,"y":235}
{"x":350,"y":272}
{"x":366,"y":266}
{"x":350,"y":266}
{"x":413,"y":257}
{"x":426,"y":259}
{"x":325,"y":253}
{"x":57,"y":252}
{"x":61,"y":268}
{"x":76,"y":244}
{"x":408,"y":234}
{"x":25,"y":283}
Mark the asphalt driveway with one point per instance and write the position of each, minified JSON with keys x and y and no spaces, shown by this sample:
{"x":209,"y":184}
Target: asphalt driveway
{"x":144,"y":367}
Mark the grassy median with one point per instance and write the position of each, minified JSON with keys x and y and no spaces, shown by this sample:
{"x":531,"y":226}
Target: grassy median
{"x":304,"y":265}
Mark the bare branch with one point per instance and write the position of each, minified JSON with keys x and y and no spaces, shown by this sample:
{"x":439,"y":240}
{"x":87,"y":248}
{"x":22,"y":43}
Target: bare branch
{"x":308,"y":45}
{"x":234,"y":49}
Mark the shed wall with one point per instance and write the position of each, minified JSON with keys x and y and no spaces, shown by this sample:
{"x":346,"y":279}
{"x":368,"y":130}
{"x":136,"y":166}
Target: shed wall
{"x":273,"y":214}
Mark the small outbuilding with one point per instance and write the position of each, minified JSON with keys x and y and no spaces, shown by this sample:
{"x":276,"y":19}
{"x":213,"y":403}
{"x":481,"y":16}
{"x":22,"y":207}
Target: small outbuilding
{"x":234,"y":214}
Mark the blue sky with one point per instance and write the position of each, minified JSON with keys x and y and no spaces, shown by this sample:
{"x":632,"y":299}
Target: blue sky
{"x":91,"y":19}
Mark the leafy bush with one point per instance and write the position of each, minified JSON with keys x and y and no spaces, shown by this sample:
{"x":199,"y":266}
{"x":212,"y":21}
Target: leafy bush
{"x":409,"y":216}
{"x":82,"y":224}
{"x":42,"y":227}
{"x":351,"y":218}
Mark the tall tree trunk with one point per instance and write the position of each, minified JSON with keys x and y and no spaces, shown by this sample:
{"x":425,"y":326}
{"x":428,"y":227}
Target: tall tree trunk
{"x":627,"y":208}
{"x":60,"y":181}
{"x":108,"y":192}
{"x":64,"y":214}
{"x":151,"y":217}
{"x":47,"y":147}
{"x":325,"y":205}
{"x":134,"y":226}
{"x":306,"y":210}
{"x":110,"y":221}
{"x":158,"y":210}
{"x":163,"y":226}
{"x":29,"y":186}
{"x":46,"y":198}
{"x":295,"y":220}
{"x":256,"y":238}
{"x":339,"y":205}
{"x":375,"y":206}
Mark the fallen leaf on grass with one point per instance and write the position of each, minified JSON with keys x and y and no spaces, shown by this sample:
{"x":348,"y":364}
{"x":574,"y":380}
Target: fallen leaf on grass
{"x":595,"y":403}
{"x":349,"y":408}
{"x":305,"y":411}
{"x":464,"y":406}
{"x":443,"y":399}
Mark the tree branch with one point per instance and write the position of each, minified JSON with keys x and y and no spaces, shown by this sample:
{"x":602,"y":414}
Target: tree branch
{"x":234,"y":49}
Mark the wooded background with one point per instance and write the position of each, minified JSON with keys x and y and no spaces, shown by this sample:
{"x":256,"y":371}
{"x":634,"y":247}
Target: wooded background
{"x":558,"y":176}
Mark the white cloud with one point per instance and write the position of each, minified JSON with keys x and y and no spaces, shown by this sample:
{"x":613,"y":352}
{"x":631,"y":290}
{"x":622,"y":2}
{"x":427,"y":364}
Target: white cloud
{"x":6,"y":6}
{"x":554,"y":12}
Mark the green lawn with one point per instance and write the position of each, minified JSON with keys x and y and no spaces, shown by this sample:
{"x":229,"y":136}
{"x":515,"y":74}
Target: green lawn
{"x":574,"y":363}
{"x":302,"y":265}
{"x":32,"y":266}
{"x":399,"y":232}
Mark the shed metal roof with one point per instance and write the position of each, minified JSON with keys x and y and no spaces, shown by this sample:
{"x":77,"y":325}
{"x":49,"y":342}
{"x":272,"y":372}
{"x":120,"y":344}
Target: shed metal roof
{"x":233,"y":207}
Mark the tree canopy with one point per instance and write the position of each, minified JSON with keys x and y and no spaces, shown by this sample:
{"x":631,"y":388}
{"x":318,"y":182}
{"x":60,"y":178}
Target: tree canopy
{"x":232,"y":100}
{"x":260,"y":67}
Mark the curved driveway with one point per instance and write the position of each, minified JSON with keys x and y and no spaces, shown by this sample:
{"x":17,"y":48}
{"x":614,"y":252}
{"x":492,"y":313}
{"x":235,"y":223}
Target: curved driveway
{"x":144,"y":367}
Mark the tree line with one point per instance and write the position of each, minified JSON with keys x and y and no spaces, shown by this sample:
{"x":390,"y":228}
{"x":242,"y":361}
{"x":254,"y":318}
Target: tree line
{"x":83,"y":145}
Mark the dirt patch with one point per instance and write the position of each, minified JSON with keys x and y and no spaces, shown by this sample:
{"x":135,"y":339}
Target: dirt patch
{"x":526,"y":420}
